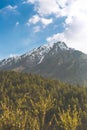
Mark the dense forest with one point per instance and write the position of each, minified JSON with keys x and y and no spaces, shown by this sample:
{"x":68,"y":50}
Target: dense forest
{"x":30,"y":102}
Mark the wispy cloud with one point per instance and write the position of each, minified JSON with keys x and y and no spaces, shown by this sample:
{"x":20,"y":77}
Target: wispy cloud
{"x":56,"y":37}
{"x":46,"y":21}
{"x":38,"y":19}
{"x":37,"y":29}
{"x":35,"y":19}
{"x":9,"y":8}
{"x":17,"y":23}
{"x":44,"y":7}
{"x":75,"y":23}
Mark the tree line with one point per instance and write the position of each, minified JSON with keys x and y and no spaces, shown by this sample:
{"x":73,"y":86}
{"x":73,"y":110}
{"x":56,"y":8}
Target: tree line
{"x":31,"y":102}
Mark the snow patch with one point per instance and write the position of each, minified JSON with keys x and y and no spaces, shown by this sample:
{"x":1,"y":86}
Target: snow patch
{"x":63,"y":46}
{"x":41,"y":60}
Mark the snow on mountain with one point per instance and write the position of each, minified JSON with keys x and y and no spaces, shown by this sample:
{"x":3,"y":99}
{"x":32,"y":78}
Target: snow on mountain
{"x":41,"y":60}
{"x":63,"y":46}
{"x":9,"y":60}
{"x":44,"y":49}
{"x":37,"y":53}
{"x":40,"y":52}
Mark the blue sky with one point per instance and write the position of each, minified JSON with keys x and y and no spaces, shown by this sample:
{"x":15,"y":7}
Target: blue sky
{"x":26,"y":24}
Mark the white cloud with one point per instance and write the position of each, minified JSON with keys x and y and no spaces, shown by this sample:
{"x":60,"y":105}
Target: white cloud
{"x":75,"y":11}
{"x":48,"y":7}
{"x":75,"y":34}
{"x":69,"y":20}
{"x":17,"y":23}
{"x":46,"y":21}
{"x":9,"y":8}
{"x":36,"y":18}
{"x":28,"y":1}
{"x":36,"y":29}
{"x":45,"y":7}
{"x":56,"y":37}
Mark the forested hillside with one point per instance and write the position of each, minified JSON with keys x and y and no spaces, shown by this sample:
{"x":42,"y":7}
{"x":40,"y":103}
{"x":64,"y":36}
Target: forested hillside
{"x":30,"y":102}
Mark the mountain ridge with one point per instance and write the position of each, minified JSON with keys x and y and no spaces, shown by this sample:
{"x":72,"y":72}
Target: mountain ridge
{"x":41,"y":49}
{"x":54,"y":60}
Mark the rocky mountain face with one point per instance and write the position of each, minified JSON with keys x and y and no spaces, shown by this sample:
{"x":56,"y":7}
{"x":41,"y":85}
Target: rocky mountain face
{"x":51,"y":60}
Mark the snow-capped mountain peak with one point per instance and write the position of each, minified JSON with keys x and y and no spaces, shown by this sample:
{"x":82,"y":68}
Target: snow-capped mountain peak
{"x":59,"y":44}
{"x":44,"y":49}
{"x":37,"y":54}
{"x":40,"y":52}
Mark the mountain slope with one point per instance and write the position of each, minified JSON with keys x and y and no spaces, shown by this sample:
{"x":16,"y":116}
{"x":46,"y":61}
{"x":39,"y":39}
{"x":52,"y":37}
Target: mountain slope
{"x":51,"y":60}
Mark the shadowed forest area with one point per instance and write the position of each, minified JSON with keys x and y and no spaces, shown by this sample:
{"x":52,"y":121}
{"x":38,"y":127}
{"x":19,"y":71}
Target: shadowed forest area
{"x":30,"y":102}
